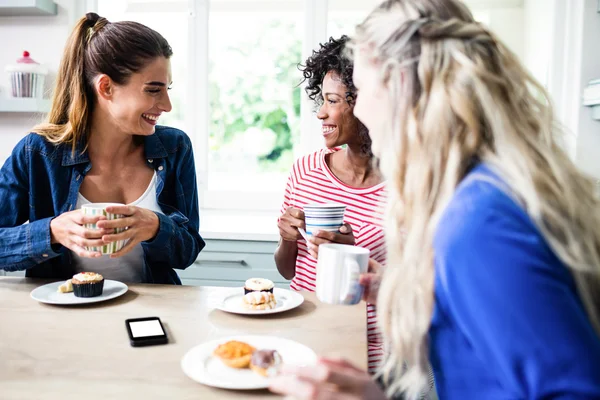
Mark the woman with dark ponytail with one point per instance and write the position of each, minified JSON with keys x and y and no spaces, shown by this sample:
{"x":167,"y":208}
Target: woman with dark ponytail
{"x":101,"y":144}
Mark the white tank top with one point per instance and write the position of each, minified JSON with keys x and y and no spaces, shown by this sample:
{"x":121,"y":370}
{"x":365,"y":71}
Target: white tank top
{"x":130,"y":267}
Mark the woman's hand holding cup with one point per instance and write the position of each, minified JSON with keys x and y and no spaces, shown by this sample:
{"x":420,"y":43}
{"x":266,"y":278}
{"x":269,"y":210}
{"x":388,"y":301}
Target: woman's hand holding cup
{"x":343,"y":236}
{"x":69,"y":229}
{"x":136,"y":225}
{"x":371,"y":281}
{"x":289,"y":223}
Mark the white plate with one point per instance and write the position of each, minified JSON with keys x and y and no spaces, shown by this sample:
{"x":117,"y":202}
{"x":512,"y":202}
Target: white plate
{"x":49,"y":293}
{"x":285,"y":300}
{"x":200,"y":364}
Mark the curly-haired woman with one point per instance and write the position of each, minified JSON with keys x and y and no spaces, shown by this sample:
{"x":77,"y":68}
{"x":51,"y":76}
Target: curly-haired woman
{"x":334,"y":174}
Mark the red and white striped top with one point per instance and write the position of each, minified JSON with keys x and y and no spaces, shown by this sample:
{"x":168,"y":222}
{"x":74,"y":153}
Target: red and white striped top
{"x":311,"y":181}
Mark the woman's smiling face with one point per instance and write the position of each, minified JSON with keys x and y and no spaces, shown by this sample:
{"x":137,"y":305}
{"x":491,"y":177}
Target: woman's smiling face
{"x":340,"y":126}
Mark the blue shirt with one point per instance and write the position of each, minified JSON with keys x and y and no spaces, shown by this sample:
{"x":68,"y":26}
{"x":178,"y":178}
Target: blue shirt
{"x":41,"y":180}
{"x":508,"y":322}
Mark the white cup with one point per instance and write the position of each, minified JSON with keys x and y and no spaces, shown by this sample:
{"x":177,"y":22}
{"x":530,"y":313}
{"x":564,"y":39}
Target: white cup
{"x":93,"y":209}
{"x":338,"y":270}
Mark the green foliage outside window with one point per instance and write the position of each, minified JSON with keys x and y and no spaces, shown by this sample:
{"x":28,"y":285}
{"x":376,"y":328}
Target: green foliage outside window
{"x":255,"y":100}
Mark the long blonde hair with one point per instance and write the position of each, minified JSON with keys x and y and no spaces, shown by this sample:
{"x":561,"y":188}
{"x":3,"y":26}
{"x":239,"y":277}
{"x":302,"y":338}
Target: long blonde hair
{"x":95,"y":47}
{"x":457,"y":96}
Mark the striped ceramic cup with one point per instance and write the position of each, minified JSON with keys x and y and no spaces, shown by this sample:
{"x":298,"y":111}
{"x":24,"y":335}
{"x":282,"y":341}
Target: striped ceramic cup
{"x":100,"y":209}
{"x":323,"y":217}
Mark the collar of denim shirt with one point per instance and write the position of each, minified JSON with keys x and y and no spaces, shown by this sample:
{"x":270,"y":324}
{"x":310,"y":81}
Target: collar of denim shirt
{"x":153,"y":148}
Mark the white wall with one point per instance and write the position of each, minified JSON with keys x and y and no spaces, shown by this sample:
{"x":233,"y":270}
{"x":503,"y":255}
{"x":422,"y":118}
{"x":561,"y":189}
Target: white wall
{"x":509,"y":25}
{"x":538,"y":33}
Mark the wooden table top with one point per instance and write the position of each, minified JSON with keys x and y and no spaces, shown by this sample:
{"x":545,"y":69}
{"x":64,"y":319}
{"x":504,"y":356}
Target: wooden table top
{"x":83,"y":352}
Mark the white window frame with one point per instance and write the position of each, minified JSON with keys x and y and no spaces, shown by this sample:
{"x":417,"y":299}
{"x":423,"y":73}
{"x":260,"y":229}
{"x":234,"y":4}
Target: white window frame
{"x":197,"y":99}
{"x":197,"y":113}
{"x":315,"y":31}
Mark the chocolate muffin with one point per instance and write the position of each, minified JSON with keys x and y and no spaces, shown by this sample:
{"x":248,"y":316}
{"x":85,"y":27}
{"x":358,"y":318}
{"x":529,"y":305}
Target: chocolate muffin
{"x":87,"y":284}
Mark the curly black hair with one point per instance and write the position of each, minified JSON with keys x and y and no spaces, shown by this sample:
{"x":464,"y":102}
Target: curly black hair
{"x":330,"y":57}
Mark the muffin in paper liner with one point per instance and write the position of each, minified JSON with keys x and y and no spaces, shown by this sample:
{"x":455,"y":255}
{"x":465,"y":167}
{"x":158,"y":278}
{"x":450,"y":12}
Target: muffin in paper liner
{"x":87,"y":288}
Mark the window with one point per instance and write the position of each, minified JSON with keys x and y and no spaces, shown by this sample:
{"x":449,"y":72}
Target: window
{"x":236,"y":86}
{"x":236,"y":89}
{"x":254,"y":94}
{"x":343,"y":16}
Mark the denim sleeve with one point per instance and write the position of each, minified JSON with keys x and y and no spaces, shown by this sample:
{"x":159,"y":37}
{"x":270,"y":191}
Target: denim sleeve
{"x":178,"y":242}
{"x":22,"y":245}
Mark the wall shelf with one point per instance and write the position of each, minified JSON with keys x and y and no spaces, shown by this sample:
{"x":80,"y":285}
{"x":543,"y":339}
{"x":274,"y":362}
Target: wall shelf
{"x":17,"y":8}
{"x":24,"y":105}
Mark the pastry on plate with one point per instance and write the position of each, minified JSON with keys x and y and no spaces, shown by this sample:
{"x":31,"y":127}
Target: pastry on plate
{"x":259,"y":301}
{"x":234,"y":354}
{"x":258,"y":285}
{"x":66,"y":287}
{"x":266,"y":362}
{"x":87,"y":284}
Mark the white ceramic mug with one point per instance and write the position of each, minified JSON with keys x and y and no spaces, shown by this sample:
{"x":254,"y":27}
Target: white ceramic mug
{"x":338,"y":270}
{"x":92,"y":209}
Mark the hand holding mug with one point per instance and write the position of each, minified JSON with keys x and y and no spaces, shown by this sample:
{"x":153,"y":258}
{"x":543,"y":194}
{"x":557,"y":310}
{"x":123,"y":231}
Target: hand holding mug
{"x":371,"y":281}
{"x":288,"y":223}
{"x":343,"y":236}
{"x":135,"y":225}
{"x":69,"y":229}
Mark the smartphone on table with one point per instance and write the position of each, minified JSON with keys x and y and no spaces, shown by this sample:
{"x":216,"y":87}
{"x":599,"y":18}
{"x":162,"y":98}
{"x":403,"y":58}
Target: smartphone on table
{"x":146,"y":331}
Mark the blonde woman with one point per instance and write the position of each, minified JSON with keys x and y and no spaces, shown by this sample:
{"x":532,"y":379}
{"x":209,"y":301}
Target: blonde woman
{"x":497,"y":280}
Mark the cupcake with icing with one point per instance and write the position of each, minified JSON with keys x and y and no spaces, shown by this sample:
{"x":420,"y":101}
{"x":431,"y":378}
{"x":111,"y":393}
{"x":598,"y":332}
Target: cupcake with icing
{"x":258,"y":285}
{"x":87,"y":284}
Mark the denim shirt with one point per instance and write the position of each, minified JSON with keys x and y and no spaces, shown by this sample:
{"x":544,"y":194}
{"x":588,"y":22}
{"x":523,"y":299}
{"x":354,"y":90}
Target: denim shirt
{"x":41,"y":180}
